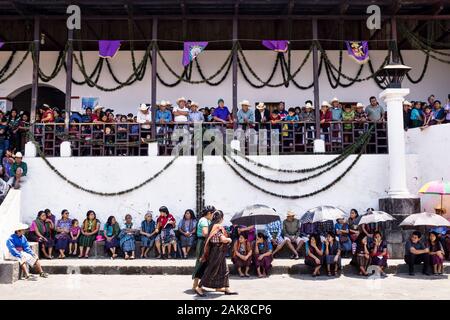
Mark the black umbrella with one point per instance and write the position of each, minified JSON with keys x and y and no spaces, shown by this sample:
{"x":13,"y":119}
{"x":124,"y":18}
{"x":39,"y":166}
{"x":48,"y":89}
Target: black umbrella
{"x":255,"y":214}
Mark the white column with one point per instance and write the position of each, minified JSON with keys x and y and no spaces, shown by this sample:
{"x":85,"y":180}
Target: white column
{"x":396,"y":141}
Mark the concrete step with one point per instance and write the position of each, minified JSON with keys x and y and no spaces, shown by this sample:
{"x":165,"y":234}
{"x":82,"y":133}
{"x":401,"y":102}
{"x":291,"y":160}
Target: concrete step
{"x":186,"y":267}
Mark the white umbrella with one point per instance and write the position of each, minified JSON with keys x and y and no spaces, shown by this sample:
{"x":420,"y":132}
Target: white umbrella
{"x":375,"y":217}
{"x":322,"y":213}
{"x":425,"y":219}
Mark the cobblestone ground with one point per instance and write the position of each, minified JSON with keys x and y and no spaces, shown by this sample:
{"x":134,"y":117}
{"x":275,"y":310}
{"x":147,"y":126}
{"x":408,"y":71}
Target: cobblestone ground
{"x":276,"y":287}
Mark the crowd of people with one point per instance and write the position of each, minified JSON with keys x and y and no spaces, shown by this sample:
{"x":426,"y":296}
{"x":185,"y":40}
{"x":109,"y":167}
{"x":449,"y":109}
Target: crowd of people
{"x":417,"y":114}
{"x":322,"y":244}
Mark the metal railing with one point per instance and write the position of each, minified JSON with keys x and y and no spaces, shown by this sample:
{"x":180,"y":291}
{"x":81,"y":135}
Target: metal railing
{"x":131,"y":139}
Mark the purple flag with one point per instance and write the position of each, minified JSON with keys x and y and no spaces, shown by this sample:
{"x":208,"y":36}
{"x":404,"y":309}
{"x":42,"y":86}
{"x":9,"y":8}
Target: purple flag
{"x":1,"y":43}
{"x":108,"y":48}
{"x":276,"y":45}
{"x":192,"y":50}
{"x":358,"y":50}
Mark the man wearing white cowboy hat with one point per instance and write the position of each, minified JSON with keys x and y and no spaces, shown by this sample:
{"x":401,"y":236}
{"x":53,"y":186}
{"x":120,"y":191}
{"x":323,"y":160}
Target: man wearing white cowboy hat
{"x":291,"y":232}
{"x":180,"y":112}
{"x":262,"y":115}
{"x":144,"y":116}
{"x":162,"y":114}
{"x":308,"y":115}
{"x":20,"y":250}
{"x":245,"y":115}
{"x":18,"y":170}
{"x":336,"y":110}
{"x":194,"y":114}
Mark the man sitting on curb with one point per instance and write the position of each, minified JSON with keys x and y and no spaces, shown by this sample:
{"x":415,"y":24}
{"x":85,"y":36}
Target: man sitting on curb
{"x":416,"y":253}
{"x":18,"y":170}
{"x":19,"y":248}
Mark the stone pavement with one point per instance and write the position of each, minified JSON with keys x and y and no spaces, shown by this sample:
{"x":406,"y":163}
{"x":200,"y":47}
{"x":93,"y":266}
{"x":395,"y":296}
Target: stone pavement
{"x":286,"y":287}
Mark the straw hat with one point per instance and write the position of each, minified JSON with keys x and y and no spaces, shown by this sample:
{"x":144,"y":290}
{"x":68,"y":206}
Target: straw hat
{"x":98,"y":107}
{"x":181,"y":99}
{"x":163,"y":103}
{"x":335,"y":100}
{"x":261,"y":106}
{"x":244,"y":103}
{"x":439,"y":208}
{"x":359,"y":105}
{"x":193,"y":103}
{"x":290,"y":213}
{"x":20,"y":226}
{"x":309,"y":105}
{"x":18,"y":155}
{"x":325,"y":103}
{"x":143,"y":107}
{"x":407,"y":103}
{"x":168,"y":103}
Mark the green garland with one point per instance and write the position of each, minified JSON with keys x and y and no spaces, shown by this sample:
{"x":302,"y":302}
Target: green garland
{"x":8,"y":64}
{"x":104,"y":194}
{"x":345,"y":153}
{"x":328,"y":168}
{"x":13,"y":71}
{"x":306,"y":195}
{"x":187,"y":79}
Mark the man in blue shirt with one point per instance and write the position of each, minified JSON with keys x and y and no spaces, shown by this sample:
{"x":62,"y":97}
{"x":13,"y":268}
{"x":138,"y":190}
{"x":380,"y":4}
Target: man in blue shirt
{"x":221,"y":113}
{"x":19,"y":248}
{"x":162,"y":114}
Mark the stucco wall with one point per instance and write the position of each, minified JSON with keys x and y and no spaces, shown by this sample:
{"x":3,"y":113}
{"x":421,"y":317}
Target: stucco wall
{"x":128,"y":98}
{"x":175,"y":188}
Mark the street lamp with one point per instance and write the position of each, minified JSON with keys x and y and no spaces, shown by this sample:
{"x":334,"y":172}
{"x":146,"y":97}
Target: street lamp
{"x":392,"y":75}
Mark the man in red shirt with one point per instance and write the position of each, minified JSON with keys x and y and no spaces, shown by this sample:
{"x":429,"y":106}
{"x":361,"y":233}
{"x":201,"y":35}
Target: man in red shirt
{"x":48,"y":115}
{"x":166,"y":237}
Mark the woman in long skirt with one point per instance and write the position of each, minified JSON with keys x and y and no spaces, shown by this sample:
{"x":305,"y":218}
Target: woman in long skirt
{"x":88,"y":233}
{"x":263,"y":256}
{"x":216,"y":247}
{"x":127,"y":240}
{"x":202,"y":234}
{"x":62,"y":237}
{"x":112,"y":231}
{"x":41,"y":231}
{"x":187,"y":227}
{"x":362,"y":254}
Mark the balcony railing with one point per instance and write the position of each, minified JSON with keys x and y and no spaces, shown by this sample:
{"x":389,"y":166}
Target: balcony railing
{"x":131,"y":139}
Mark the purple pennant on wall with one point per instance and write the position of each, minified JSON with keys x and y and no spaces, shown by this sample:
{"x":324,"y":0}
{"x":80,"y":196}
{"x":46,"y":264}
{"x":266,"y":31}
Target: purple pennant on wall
{"x":358,"y":51}
{"x":108,"y":48}
{"x":276,"y":45}
{"x":192,"y":50}
{"x":1,"y":43}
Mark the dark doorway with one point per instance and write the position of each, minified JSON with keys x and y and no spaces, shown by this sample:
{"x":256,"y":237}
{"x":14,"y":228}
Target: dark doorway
{"x":21,"y":98}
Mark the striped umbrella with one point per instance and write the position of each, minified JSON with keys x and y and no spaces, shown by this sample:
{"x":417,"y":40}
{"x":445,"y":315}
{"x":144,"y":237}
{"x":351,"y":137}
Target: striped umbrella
{"x":436,"y":187}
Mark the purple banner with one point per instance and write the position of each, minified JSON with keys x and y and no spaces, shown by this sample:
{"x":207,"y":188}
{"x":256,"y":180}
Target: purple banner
{"x":276,"y":45}
{"x":358,"y":50}
{"x":192,"y":50}
{"x":108,"y":48}
{"x":1,"y":43}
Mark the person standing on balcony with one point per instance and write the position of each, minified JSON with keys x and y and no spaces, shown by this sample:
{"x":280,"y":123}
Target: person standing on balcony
{"x":180,"y":112}
{"x":144,"y":117}
{"x":325,"y":119}
{"x":245,"y":116}
{"x":194,"y":114}
{"x":221,"y":113}
{"x":282,"y":110}
{"x":375,"y":112}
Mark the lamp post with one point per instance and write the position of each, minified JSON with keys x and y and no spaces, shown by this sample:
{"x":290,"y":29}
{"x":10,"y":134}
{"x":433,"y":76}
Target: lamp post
{"x":400,"y":202}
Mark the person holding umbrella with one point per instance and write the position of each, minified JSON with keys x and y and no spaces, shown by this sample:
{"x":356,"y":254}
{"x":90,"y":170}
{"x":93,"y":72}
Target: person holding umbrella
{"x":417,"y":253}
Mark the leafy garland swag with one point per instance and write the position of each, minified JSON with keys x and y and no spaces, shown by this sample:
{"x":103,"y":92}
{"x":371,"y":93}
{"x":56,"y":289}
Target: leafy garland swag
{"x":306,"y":195}
{"x":284,"y":62}
{"x":104,"y":194}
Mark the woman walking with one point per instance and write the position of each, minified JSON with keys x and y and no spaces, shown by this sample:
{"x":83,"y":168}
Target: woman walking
{"x":202,"y":234}
{"x":216,"y":247}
